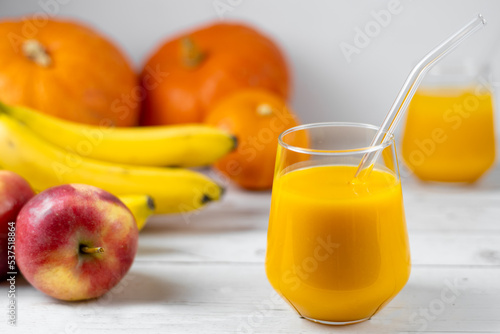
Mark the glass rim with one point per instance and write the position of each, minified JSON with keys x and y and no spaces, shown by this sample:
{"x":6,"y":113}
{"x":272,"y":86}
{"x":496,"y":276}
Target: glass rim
{"x":361,"y":150}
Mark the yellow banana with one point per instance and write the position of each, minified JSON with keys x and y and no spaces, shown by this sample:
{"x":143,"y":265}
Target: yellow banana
{"x":175,"y":145}
{"x":45,"y":165}
{"x":141,"y":206}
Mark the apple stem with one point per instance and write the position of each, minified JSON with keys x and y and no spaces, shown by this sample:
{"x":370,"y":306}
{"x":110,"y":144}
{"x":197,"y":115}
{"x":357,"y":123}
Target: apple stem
{"x":92,"y":250}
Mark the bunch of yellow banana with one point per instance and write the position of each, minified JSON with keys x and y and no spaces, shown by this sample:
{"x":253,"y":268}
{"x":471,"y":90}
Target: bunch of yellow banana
{"x":141,"y":206}
{"x":48,"y":151}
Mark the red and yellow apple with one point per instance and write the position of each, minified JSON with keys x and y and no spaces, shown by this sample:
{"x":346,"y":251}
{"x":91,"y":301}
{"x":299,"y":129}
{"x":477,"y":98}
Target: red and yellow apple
{"x":14,"y":193}
{"x":75,"y":241}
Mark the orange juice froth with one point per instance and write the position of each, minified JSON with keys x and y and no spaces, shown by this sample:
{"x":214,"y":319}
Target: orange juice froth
{"x":337,"y":251}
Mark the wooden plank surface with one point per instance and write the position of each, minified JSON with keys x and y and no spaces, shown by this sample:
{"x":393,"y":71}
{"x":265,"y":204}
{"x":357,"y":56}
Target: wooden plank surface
{"x":204,"y":273}
{"x":228,"y":298}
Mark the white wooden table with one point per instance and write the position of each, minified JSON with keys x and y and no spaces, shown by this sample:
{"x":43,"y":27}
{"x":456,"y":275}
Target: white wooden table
{"x":205,"y":274}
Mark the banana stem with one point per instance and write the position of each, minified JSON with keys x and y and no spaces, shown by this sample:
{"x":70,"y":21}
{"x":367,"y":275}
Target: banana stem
{"x":91,"y":250}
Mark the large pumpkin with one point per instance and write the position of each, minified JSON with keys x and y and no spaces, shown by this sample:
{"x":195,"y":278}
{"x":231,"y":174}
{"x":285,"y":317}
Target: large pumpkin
{"x":187,"y":76}
{"x":67,"y":70}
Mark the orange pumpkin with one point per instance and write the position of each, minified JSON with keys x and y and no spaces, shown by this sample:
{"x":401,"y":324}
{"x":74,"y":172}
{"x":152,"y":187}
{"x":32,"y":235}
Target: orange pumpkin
{"x":206,"y":65}
{"x":67,"y":70}
{"x":256,"y":118}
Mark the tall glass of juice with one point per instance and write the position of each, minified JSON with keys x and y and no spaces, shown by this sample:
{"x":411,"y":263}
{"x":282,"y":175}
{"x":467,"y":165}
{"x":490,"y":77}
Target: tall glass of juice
{"x":449,"y":132}
{"x":337,"y":247}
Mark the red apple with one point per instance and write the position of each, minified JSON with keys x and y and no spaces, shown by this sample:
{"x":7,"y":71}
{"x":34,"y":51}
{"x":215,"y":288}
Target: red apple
{"x":14,"y":193}
{"x":75,"y":241}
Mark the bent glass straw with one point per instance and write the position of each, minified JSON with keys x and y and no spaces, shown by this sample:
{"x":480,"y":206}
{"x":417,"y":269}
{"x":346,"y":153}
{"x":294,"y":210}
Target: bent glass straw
{"x":408,"y":90}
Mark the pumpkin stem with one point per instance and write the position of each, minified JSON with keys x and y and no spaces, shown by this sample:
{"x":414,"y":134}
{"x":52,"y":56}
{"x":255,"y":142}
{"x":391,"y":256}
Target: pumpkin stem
{"x":191,"y":54}
{"x":36,"y":52}
{"x":264,"y":109}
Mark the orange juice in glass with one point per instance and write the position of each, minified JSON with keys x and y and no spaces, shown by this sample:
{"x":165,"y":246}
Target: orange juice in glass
{"x":449,"y":132}
{"x":337,"y":249}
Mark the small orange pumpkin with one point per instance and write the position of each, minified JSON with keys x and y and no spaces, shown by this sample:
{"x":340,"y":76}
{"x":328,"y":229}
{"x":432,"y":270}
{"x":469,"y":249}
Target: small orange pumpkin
{"x":206,"y":65}
{"x":67,"y":70}
{"x":256,"y":118}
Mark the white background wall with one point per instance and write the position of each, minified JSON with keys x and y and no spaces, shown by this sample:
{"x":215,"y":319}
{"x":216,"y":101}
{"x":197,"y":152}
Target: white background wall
{"x":326,"y":86}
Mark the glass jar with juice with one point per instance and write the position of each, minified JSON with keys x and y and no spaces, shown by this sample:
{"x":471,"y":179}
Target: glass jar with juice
{"x":449,"y":130}
{"x":337,"y":247}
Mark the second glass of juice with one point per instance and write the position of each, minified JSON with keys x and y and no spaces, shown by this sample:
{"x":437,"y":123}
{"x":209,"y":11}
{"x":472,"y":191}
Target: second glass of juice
{"x":449,"y":131}
{"x":337,"y":247}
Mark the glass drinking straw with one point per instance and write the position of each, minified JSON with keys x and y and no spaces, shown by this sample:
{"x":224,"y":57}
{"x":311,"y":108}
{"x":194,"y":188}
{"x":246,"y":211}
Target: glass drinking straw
{"x":408,"y":90}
